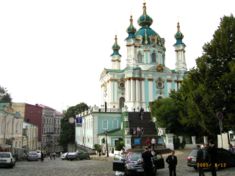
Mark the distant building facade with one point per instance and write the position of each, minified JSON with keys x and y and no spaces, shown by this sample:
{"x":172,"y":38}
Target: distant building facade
{"x":30,"y":137}
{"x":11,"y":126}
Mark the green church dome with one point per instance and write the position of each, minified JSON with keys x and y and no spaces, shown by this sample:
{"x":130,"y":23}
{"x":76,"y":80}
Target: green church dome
{"x":131,"y":29}
{"x":179,"y":36}
{"x":145,"y":20}
{"x":115,"y":48}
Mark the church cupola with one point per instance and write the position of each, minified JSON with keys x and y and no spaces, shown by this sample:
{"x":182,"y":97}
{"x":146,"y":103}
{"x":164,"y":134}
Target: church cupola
{"x":180,"y":51}
{"x":116,"y":57}
{"x":145,"y":20}
{"x":131,"y":30}
{"x":179,"y":36}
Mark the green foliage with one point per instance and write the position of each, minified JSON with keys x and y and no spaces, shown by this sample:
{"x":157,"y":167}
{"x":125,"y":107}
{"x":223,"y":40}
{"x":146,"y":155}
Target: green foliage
{"x":119,"y":145}
{"x":67,"y":129}
{"x":4,"y":96}
{"x":103,"y":140}
{"x":176,"y":142}
{"x":98,"y":148}
{"x":209,"y":88}
{"x":166,"y":112}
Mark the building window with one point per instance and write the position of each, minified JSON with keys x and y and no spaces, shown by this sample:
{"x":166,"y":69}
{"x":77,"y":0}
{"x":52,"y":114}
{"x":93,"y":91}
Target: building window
{"x":153,"y":56}
{"x":140,"y":57}
{"x":115,"y":124}
{"x":105,"y":124}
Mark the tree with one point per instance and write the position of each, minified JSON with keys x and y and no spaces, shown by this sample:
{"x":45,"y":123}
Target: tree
{"x":166,"y":112}
{"x":209,"y":88}
{"x":67,"y":129}
{"x":4,"y":96}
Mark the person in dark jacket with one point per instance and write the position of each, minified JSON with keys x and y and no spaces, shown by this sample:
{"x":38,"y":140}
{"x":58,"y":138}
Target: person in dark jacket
{"x":147,"y":162}
{"x":42,"y":157}
{"x":172,"y":162}
{"x":213,"y":157}
{"x":200,"y":160}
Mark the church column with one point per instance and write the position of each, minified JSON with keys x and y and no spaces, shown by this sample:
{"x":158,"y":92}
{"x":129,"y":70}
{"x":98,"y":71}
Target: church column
{"x":126,"y":89}
{"x":150,"y":89}
{"x":116,"y":92}
{"x":137,"y":91}
{"x":129,"y":90}
{"x":143,"y":90}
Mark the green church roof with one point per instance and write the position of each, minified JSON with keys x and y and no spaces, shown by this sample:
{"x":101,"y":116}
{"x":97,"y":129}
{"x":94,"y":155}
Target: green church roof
{"x":115,"y":48}
{"x":131,"y":29}
{"x":179,"y":36}
{"x":145,"y":20}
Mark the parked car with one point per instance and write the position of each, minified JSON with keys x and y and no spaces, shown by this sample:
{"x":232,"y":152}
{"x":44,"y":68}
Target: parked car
{"x":83,"y":155}
{"x":132,"y":163}
{"x":32,"y":156}
{"x":72,"y":156}
{"x":39,"y":154}
{"x":224,"y":159}
{"x":79,"y":155}
{"x":63,"y":156}
{"x":7,"y":159}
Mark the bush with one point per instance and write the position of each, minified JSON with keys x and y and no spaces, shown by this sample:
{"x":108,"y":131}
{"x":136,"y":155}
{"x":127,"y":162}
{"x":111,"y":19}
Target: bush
{"x":119,"y":145}
{"x":98,"y":148}
{"x":176,"y":142}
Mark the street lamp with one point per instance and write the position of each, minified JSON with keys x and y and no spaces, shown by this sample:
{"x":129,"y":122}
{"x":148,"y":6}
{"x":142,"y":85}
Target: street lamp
{"x":106,"y":142}
{"x":72,"y":121}
{"x":220,"y":118}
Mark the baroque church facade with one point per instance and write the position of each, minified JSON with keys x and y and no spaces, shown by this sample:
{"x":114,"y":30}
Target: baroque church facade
{"x":145,"y":77}
{"x":130,"y":90}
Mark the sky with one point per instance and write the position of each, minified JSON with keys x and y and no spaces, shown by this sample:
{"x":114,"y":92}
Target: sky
{"x":52,"y":52}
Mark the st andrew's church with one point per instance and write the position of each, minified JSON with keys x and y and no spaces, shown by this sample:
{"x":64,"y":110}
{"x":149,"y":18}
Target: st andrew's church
{"x":127,"y":92}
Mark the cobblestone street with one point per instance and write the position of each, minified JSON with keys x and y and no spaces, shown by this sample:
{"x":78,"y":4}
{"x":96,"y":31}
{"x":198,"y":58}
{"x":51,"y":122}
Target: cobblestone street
{"x":94,"y":167}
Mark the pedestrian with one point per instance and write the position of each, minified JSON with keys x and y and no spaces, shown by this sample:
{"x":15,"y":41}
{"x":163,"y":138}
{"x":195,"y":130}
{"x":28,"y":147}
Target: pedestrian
{"x":231,"y":149}
{"x":200,"y":160}
{"x":42,"y":157}
{"x":172,"y":162}
{"x":54,"y":155}
{"x":153,"y":143}
{"x":212,"y":151}
{"x":147,"y":162}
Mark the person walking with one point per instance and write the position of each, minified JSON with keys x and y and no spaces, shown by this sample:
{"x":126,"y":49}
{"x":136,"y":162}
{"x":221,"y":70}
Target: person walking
{"x":172,"y":162}
{"x":213,"y":157}
{"x":42,"y":157}
{"x":200,"y":160}
{"x":147,"y":162}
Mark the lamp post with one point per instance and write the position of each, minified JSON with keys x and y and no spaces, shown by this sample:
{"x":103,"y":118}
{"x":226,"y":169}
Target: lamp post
{"x":72,"y":121}
{"x":106,"y":142}
{"x":220,"y":118}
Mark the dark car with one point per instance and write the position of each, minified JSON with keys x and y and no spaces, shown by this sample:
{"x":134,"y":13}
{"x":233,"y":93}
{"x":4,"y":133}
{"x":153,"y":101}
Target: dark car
{"x":132,"y":163}
{"x":224,"y":159}
{"x":83,"y":155}
{"x":77,"y":155}
{"x":72,"y":156}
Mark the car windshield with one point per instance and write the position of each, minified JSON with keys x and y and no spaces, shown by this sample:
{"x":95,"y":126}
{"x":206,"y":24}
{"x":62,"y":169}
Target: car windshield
{"x":134,"y":156}
{"x":193,"y":153}
{"x":33,"y":153}
{"x":5,"y":155}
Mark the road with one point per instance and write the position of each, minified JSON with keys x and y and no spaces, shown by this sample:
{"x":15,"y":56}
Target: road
{"x":94,"y":167}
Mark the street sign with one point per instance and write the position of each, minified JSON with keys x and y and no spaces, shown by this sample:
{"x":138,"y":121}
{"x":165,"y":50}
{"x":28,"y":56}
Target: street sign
{"x":220,"y":115}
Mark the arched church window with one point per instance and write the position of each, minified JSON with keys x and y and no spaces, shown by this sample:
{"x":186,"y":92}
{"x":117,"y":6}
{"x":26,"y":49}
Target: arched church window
{"x":140,"y":57}
{"x":121,"y":102}
{"x":153,"y":56}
